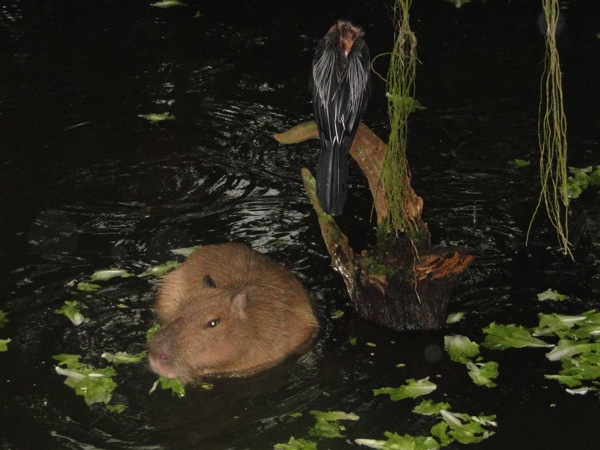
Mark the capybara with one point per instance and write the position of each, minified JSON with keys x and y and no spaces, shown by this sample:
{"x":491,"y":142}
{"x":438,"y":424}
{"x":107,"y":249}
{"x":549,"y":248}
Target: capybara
{"x":229,"y":310}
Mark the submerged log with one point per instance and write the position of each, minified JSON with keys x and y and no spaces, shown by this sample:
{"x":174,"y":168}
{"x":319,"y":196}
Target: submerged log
{"x":395,"y":284}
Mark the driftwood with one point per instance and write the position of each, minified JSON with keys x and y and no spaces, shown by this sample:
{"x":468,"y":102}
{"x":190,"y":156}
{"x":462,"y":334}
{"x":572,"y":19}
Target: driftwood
{"x":398,"y":286}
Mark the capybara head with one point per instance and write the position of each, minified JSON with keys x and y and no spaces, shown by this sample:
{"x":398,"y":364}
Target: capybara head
{"x":249,"y":315}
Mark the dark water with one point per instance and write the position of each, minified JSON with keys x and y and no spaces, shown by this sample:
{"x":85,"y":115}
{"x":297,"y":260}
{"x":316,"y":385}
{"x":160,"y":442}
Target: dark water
{"x":86,"y":184}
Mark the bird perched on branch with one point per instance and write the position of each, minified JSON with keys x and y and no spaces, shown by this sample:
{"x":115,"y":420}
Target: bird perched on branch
{"x":340,"y":87}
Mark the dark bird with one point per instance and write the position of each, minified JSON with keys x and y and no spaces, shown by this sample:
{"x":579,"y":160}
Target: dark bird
{"x":340,"y":87}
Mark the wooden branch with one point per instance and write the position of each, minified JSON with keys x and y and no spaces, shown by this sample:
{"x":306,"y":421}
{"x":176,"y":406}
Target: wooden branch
{"x":368,"y":150}
{"x":400,"y":287}
{"x":342,"y":255}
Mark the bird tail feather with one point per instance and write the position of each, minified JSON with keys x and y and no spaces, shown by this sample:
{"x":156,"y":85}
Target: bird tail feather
{"x":332,"y":179}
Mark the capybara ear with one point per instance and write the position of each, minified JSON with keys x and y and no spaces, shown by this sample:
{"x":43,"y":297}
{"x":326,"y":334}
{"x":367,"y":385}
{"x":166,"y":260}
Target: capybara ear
{"x":208,"y":282}
{"x":239,"y":302}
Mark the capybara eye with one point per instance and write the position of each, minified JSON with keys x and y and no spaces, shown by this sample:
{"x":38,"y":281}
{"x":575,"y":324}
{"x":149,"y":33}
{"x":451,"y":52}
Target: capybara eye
{"x":208,"y":282}
{"x":212,"y":323}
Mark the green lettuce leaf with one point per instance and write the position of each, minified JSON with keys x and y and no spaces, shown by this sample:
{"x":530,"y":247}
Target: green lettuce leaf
{"x":460,"y":348}
{"x":161,"y":269}
{"x":123,"y":357}
{"x":483,"y":373}
{"x":4,"y":345}
{"x":95,"y":385}
{"x":413,"y":388}
{"x":107,"y":274}
{"x":397,"y":442}
{"x":429,"y":408}
{"x":328,"y":423}
{"x":551,"y":294}
{"x":297,"y":444}
{"x":501,"y":337}
{"x":70,"y":309}
{"x":173,"y":384}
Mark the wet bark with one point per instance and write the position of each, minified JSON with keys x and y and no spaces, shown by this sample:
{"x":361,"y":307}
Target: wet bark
{"x":396,"y":284}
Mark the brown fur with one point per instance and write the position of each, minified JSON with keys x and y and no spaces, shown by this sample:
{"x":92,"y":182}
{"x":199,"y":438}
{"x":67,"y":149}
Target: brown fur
{"x":248,"y":314}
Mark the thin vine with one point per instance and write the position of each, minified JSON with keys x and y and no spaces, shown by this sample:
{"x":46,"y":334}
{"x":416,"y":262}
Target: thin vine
{"x":552,"y":132}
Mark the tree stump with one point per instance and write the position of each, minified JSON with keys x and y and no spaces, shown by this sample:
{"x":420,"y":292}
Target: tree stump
{"x":395,"y":284}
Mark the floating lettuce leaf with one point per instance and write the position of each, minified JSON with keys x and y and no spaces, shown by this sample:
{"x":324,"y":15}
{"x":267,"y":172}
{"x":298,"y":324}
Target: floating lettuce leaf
{"x":578,"y":348}
{"x":519,"y":163}
{"x":460,"y":348}
{"x":595,"y":177}
{"x":70,"y":310}
{"x":161,"y":269}
{"x":501,"y":337}
{"x":152,"y":331}
{"x":396,"y":442}
{"x":3,"y":319}
{"x":337,"y":314}
{"x":455,"y":317}
{"x":459,"y":3}
{"x":580,"y":391}
{"x":87,"y":287}
{"x":567,"y":349}
{"x":124,"y":357}
{"x":462,"y":428}
{"x":173,"y":384}
{"x":155,"y":118}
{"x":328,"y":423}
{"x":557,"y":324}
{"x":297,"y":444}
{"x":94,"y":385}
{"x":586,"y":367}
{"x":567,"y":380}
{"x":483,"y":373}
{"x":413,"y":389}
{"x":166,"y":4}
{"x":185,"y":251}
{"x":551,"y":294}
{"x":4,"y":344}
{"x":581,"y":179}
{"x":429,"y":408}
{"x":107,"y":274}
{"x":116,"y":408}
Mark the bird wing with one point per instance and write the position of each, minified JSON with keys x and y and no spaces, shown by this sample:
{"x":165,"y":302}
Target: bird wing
{"x":340,"y":94}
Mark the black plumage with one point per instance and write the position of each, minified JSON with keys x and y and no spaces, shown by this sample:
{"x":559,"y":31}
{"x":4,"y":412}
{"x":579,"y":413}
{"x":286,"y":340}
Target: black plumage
{"x":340,"y":88}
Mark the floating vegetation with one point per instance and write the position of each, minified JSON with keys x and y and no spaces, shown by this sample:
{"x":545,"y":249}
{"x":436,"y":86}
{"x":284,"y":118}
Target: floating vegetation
{"x":328,"y":423}
{"x":161,"y":269}
{"x":170,"y":384}
{"x":155,"y":118}
{"x":71,"y":310}
{"x":3,"y":342}
{"x":297,"y":444}
{"x":577,"y":348}
{"x":168,"y":4}
{"x":581,"y":179}
{"x":461,"y":349}
{"x":412,"y":389}
{"x":94,"y":385}
{"x":518,"y":163}
{"x":107,"y":274}
{"x":552,"y":295}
